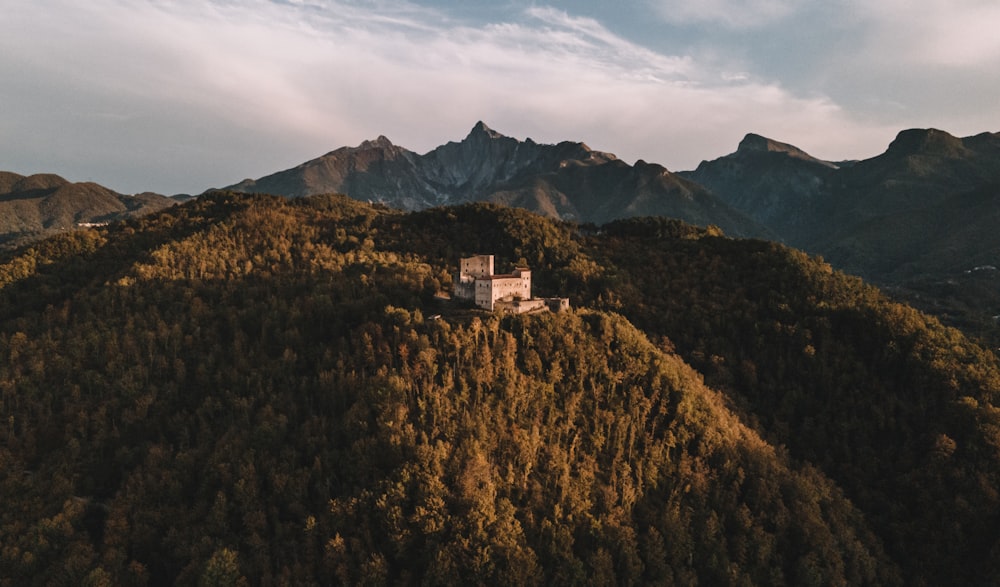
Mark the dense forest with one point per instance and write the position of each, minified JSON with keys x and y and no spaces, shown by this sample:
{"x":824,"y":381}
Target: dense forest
{"x":247,"y":390}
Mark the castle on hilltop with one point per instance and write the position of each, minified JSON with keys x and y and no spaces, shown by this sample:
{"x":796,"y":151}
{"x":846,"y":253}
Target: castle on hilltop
{"x":510,"y":292}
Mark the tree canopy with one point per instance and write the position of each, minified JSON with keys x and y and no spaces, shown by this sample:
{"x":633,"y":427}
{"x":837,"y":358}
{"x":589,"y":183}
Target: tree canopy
{"x":251,"y":390}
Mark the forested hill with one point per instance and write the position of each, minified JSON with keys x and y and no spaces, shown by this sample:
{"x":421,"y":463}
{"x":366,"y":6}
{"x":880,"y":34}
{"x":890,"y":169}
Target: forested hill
{"x":252,"y":390}
{"x":44,"y":204}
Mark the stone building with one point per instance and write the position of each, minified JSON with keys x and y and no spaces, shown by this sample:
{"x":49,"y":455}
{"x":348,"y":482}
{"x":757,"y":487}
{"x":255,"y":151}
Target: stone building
{"x":510,"y":292}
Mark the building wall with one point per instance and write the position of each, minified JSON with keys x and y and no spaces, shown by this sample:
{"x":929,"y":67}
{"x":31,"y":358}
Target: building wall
{"x":477,"y":266}
{"x":476,"y":281}
{"x":557,"y":304}
{"x":470,"y":269}
{"x":524,"y":274}
{"x":484,"y":293}
{"x":518,"y":306}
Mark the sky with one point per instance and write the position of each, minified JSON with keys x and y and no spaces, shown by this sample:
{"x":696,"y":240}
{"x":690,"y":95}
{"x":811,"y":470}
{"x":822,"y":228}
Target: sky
{"x":178,"y":96}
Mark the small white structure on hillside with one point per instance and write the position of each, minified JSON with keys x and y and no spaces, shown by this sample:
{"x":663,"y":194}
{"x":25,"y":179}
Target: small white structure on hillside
{"x":511,"y":292}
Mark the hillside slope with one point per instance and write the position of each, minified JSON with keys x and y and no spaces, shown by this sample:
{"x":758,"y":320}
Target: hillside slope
{"x":265,"y":388}
{"x":39,"y":205}
{"x":774,"y":183}
{"x":915,"y":219}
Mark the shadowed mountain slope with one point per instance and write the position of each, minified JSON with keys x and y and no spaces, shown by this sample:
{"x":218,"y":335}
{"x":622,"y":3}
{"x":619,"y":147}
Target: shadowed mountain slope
{"x":774,"y":183}
{"x":921,"y":171}
{"x":917,"y":219}
{"x":568,"y":181}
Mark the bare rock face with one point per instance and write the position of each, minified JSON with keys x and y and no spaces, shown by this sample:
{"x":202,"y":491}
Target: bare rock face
{"x":568,"y":180}
{"x":348,"y":168}
{"x":931,"y":141}
{"x":486,"y":158}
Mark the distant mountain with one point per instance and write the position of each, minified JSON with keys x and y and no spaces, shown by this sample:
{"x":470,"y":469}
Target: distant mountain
{"x":772,"y":182}
{"x":37,"y":205}
{"x":829,"y":207}
{"x":923,"y":171}
{"x":567,"y":180}
{"x":917,"y":219}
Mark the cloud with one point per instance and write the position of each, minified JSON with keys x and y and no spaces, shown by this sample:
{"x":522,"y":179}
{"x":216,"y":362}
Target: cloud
{"x":184,"y":95}
{"x":895,"y":63}
{"x":950,"y":33}
{"x":938,"y":32}
{"x":914,"y":63}
{"x":735,"y":14}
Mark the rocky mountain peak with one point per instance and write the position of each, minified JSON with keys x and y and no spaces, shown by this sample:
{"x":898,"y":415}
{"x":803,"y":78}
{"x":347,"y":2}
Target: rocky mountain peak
{"x":754,"y":143}
{"x":926,"y":141}
{"x":565,"y":180}
{"x":8,"y":180}
{"x":380,"y":143}
{"x":481,"y":131}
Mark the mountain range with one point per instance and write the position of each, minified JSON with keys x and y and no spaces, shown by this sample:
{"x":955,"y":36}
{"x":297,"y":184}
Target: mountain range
{"x":43,"y":204}
{"x":869,"y":216}
{"x":918,"y":219}
{"x":567,"y":180}
{"x":254,"y":388}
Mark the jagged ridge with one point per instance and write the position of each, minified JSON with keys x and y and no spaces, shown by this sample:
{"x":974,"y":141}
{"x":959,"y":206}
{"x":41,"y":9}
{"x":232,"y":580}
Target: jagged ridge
{"x":568,"y":180}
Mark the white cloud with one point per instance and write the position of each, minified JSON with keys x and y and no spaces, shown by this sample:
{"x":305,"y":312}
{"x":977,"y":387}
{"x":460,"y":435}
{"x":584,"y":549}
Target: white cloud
{"x":183,"y":95}
{"x":896,"y":63}
{"x":936,"y":32}
{"x":914,"y":63}
{"x":952,"y":33}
